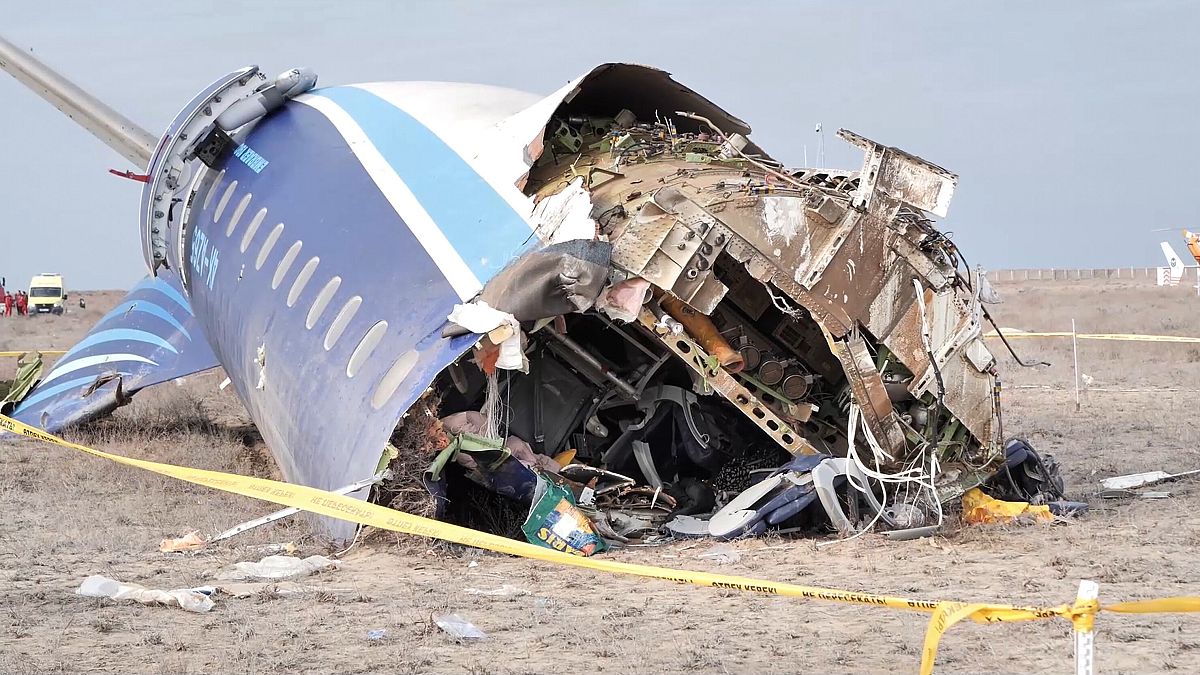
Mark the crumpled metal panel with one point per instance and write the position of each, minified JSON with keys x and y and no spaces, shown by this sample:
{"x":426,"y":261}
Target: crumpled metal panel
{"x":865,"y":381}
{"x":672,"y":243}
{"x":954,"y":337}
{"x":906,"y":178}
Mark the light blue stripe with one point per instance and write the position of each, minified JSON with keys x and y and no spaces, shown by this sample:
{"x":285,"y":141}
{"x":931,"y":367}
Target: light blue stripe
{"x":167,"y":290}
{"x":149,"y":308}
{"x":478,"y":223}
{"x":120,"y":334}
{"x":53,"y":391}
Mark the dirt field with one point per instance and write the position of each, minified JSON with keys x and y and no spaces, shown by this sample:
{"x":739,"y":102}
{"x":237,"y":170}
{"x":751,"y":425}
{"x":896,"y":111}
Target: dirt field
{"x":64,"y":516}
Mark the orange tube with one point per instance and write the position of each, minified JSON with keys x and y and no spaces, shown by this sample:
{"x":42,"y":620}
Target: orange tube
{"x":701,"y":328}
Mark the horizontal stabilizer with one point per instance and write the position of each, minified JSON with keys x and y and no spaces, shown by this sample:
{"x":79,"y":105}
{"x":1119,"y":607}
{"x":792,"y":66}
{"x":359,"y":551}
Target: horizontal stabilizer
{"x":150,"y":337}
{"x":114,"y":129}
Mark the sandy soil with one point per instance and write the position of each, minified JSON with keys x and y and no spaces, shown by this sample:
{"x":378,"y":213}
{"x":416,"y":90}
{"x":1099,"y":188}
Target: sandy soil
{"x":65,"y":516}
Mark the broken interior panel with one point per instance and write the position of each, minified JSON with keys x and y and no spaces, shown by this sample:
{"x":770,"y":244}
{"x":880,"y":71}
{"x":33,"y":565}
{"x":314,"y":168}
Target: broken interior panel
{"x":714,"y":344}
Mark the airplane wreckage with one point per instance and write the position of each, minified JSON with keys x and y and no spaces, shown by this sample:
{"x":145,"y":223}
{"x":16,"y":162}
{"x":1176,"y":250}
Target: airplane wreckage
{"x":610,"y":294}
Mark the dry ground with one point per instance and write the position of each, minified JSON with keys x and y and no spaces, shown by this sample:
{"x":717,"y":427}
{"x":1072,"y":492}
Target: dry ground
{"x":64,"y":516}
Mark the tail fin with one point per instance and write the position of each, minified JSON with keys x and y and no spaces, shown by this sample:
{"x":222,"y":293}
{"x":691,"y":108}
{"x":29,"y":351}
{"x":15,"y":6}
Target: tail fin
{"x":1174,"y":263}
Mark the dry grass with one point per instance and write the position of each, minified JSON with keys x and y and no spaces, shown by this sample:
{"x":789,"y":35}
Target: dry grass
{"x":65,"y":516}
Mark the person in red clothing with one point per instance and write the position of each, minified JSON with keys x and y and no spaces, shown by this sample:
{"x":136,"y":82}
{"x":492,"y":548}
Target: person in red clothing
{"x":22,"y":301}
{"x":8,"y":304}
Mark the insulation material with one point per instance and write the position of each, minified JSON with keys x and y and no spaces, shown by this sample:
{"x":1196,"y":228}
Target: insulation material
{"x":565,"y":216}
{"x":190,"y":599}
{"x":275,"y":567}
{"x":479,"y":318}
{"x":558,"y":279}
{"x":979,"y":508}
{"x":623,"y":300}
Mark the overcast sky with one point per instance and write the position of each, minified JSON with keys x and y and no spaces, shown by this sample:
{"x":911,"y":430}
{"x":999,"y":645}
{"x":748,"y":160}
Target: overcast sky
{"x":1072,"y":125}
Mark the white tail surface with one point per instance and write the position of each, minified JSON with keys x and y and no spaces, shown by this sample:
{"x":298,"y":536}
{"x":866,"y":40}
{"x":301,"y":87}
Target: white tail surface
{"x":1174,"y":263}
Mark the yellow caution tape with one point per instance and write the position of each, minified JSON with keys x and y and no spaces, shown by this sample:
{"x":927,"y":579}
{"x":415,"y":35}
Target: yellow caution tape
{"x":44,"y":352}
{"x":944,"y":614}
{"x":1122,"y":337}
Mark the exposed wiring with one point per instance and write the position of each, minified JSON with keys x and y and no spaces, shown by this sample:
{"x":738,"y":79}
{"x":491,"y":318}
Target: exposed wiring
{"x":958,"y":254}
{"x":1011,"y":351}
{"x":782,"y":304}
{"x":914,"y":475}
{"x":851,"y":453}
{"x":778,"y":174}
{"x":904,"y":478}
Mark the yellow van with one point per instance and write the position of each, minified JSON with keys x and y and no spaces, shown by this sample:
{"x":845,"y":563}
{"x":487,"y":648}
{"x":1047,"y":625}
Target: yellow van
{"x":46,"y":294}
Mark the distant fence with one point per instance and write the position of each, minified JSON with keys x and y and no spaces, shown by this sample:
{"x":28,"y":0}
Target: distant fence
{"x":1148,"y":274}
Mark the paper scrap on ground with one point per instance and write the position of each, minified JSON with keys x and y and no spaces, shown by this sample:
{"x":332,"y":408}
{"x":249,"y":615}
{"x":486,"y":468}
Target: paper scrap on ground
{"x":723,"y":554}
{"x":188,"y":542}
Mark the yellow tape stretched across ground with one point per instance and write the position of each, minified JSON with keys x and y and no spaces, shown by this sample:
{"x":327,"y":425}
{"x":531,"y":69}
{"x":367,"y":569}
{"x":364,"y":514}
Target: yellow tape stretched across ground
{"x":45,"y":352}
{"x":1120,"y":337}
{"x":944,"y":614}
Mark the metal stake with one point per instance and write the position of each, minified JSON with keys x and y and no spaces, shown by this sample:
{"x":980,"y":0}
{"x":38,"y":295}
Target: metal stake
{"x":1075,"y":354}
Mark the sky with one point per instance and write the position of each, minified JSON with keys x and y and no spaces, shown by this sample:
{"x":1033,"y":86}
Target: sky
{"x":1072,"y":125}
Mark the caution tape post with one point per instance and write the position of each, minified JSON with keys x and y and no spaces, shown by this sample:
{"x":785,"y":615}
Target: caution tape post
{"x":1083,"y":620}
{"x":944,"y":614}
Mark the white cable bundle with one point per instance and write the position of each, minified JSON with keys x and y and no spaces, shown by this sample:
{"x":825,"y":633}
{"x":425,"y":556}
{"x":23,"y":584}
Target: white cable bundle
{"x":915,"y":476}
{"x":492,"y":407}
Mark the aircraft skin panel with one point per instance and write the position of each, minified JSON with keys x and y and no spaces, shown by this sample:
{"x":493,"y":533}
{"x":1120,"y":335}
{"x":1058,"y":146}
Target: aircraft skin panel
{"x":491,"y":128}
{"x":325,"y":426}
{"x":151,"y":337}
{"x":481,"y":226}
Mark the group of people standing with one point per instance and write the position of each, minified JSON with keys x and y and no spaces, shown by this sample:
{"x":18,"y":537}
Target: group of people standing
{"x":18,"y":303}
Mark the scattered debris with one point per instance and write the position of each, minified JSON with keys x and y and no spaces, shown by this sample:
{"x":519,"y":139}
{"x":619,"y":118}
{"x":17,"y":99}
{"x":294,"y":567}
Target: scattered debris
{"x":287,"y":548}
{"x":979,"y":508}
{"x":29,"y":372}
{"x":1137,"y":480}
{"x":191,"y":599}
{"x":277,"y":567}
{"x":192,"y":541}
{"x":1129,"y":494}
{"x":458,"y":628}
{"x":556,"y":522}
{"x":687,"y":527}
{"x":1026,"y":476}
{"x":284,"y":513}
{"x":722,"y":554}
{"x":280,"y":588}
{"x":502,"y":592}
{"x":376,"y":634}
